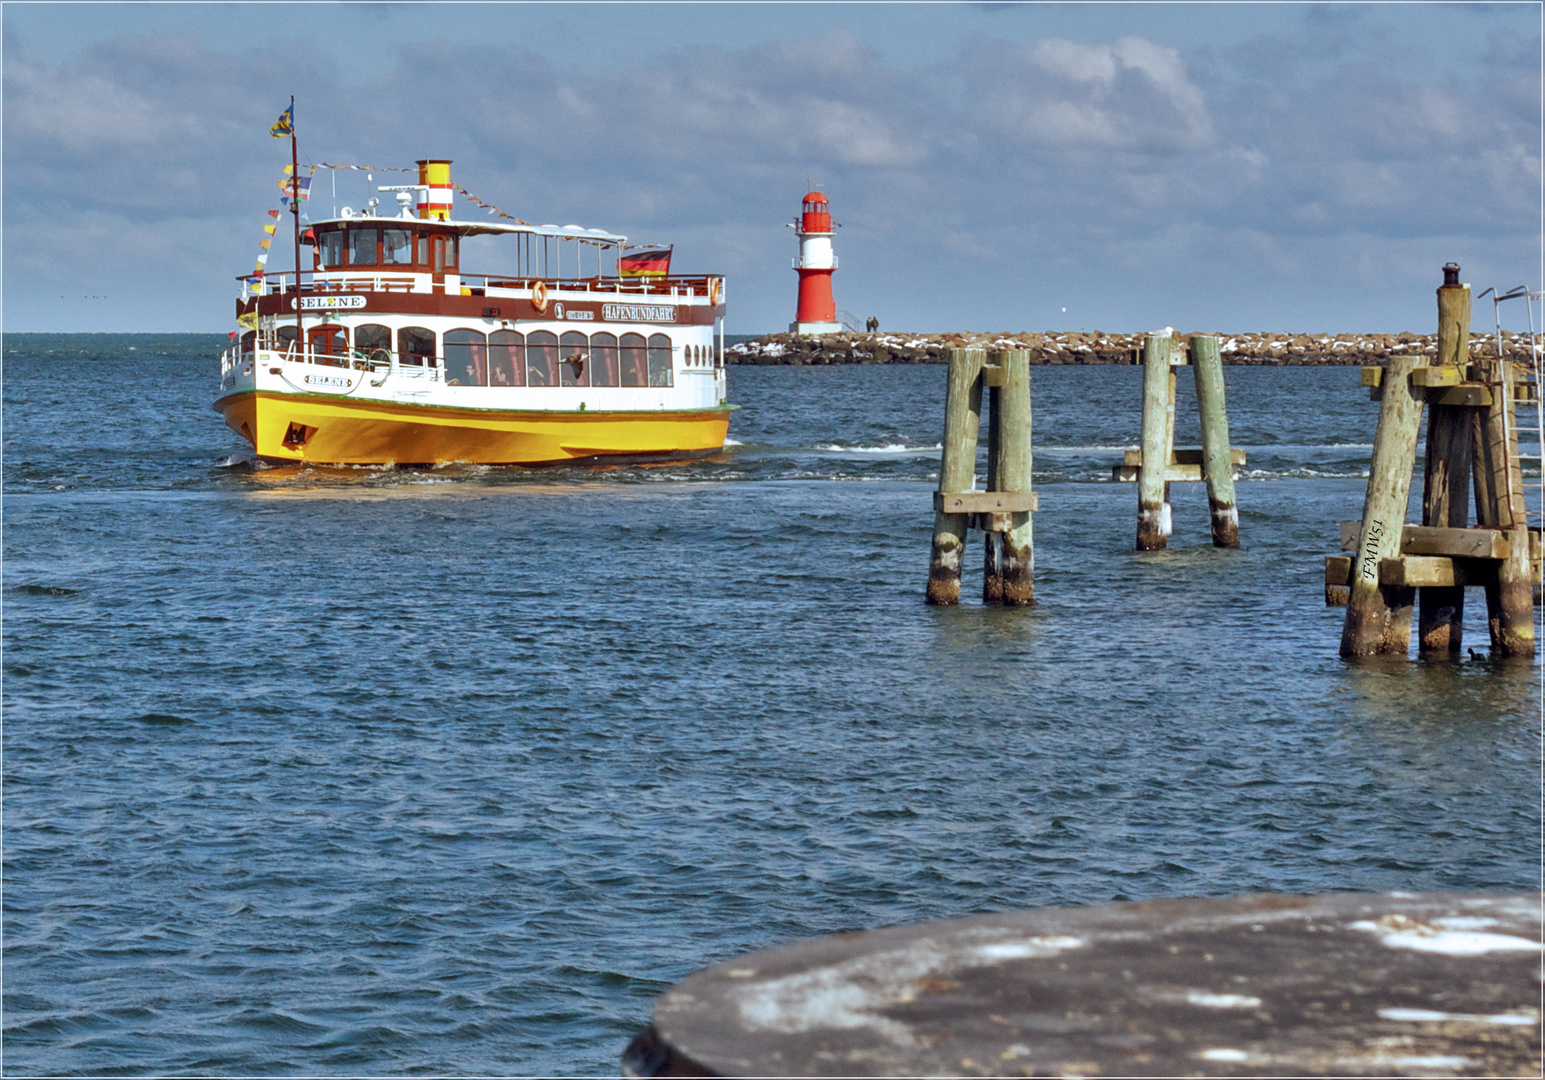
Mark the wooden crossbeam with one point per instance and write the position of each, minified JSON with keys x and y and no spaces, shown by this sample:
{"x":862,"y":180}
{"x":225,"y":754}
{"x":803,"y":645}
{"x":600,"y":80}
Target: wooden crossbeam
{"x":1475,"y":395}
{"x":1185,"y":465}
{"x":1181,"y":455}
{"x":986,"y":502}
{"x":1175,"y":473}
{"x":1436,"y":571}
{"x":1442,"y":375}
{"x":1417,"y":571}
{"x":1445,"y":384}
{"x":1457,"y":543}
{"x":1475,"y":543}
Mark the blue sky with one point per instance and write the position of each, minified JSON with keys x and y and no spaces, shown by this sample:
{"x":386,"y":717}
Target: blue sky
{"x":1232,"y":167}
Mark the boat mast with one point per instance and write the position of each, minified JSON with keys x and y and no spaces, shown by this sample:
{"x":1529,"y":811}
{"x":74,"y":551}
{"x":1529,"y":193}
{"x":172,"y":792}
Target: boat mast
{"x":300,"y":338}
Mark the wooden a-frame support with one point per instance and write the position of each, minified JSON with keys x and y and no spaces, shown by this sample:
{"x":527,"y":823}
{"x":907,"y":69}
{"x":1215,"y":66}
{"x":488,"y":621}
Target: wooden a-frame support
{"x":1004,"y":510}
{"x":1159,"y":463}
{"x":1472,"y":442}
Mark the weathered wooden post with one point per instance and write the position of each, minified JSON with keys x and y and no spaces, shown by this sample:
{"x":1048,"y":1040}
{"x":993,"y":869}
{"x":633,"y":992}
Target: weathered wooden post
{"x":1378,"y":616}
{"x":1499,"y":503}
{"x":1158,"y":438}
{"x":1003,"y":510}
{"x":1471,"y":436}
{"x":1446,"y":474}
{"x":992,"y":542}
{"x":1217,"y":464}
{"x":957,"y":471}
{"x":1013,"y":456}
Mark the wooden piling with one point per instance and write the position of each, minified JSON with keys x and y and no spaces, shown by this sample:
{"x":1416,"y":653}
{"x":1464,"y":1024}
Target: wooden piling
{"x":1207,"y":362}
{"x":1378,"y":617}
{"x":992,"y":542}
{"x":1158,"y":438}
{"x":1446,"y":476}
{"x":1013,"y":456}
{"x":957,"y":471}
{"x":1499,"y":501}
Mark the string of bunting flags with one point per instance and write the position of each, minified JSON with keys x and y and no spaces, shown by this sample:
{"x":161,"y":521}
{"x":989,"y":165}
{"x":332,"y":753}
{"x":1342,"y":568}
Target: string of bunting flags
{"x":482,"y":204}
{"x":299,"y":188}
{"x":487,"y":206}
{"x":292,"y":187}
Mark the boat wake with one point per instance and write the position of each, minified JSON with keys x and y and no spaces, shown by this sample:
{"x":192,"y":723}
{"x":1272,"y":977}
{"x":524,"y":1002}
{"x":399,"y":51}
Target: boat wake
{"x":889,"y":448}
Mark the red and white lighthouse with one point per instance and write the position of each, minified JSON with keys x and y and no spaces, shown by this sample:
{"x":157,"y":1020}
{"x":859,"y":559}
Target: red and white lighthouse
{"x":817,"y":311}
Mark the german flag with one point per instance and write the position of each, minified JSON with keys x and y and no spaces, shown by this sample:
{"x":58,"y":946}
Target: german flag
{"x":656,"y":263}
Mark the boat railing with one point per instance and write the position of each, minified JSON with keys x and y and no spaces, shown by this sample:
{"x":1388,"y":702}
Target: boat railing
{"x":286,"y":350}
{"x":675,"y":287}
{"x":337,"y":282}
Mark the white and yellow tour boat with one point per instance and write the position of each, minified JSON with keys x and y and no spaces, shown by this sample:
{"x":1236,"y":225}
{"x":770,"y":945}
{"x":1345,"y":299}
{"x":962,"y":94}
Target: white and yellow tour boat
{"x":391,"y":351}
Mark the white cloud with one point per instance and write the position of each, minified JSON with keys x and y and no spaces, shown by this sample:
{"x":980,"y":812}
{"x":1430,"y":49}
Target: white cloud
{"x":86,"y":112}
{"x":1076,"y":63}
{"x":1096,"y":156}
{"x":1130,"y":95}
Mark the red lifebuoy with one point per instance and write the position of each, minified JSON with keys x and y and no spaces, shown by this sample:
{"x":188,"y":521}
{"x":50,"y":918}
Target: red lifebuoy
{"x":539,"y":297}
{"x":715,"y":291}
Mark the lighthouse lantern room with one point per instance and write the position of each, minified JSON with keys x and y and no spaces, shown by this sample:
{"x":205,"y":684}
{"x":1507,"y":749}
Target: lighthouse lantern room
{"x":816,"y":312}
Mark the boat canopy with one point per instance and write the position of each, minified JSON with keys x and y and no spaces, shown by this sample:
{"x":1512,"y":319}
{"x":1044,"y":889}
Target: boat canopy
{"x":477,"y":228}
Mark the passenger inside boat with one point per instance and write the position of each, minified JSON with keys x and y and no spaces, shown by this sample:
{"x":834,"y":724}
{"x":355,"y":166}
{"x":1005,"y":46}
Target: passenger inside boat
{"x":542,"y":359}
{"x":506,"y":358}
{"x":466,"y":361}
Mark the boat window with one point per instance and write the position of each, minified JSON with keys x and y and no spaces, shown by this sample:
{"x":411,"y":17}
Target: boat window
{"x":415,"y":345}
{"x":371,"y":339}
{"x":542,"y":359}
{"x":396,"y":246}
{"x":635,"y":371}
{"x":603,"y":360}
{"x":575,"y":368}
{"x":450,"y":252}
{"x":330,"y":249}
{"x":506,"y":358}
{"x":466,"y":358}
{"x":248,"y":342}
{"x":362,"y":247}
{"x":286,"y":337}
{"x":439,"y":263}
{"x":423,"y":250}
{"x":660,"y":370}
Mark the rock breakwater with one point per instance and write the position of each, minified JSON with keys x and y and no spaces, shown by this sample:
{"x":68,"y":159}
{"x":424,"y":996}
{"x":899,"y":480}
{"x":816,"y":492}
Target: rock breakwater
{"x":1098,"y":348}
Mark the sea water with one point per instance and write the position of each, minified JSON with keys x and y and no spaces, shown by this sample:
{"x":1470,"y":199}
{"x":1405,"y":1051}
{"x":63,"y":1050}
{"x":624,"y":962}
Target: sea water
{"x":453,"y":770}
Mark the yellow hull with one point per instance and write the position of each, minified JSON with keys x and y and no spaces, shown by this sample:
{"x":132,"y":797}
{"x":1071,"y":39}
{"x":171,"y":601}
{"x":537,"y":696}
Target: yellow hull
{"x":290,"y":427}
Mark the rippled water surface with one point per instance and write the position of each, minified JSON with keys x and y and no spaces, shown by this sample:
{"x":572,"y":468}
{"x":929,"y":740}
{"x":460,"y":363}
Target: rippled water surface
{"x":451,"y":771}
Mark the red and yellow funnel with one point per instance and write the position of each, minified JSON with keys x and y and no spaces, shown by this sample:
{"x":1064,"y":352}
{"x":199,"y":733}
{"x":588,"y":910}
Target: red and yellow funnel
{"x":435,"y":190}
